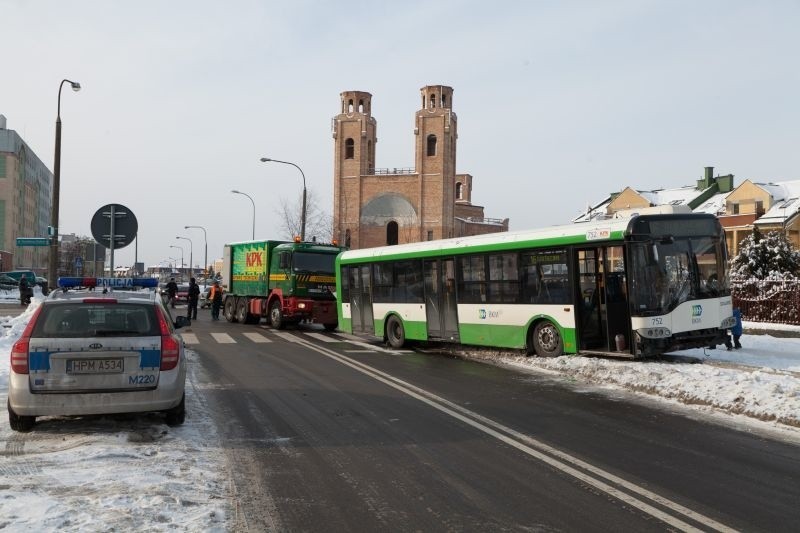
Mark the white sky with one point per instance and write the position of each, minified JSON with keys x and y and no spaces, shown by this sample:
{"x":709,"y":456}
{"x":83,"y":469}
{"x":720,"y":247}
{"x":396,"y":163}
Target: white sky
{"x":559,"y":103}
{"x":135,"y":473}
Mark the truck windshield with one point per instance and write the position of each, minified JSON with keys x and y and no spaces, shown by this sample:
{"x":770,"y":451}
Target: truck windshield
{"x":669,"y":271}
{"x":314,"y":262}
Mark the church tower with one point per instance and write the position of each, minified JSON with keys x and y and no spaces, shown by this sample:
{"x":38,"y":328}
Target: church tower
{"x":436,"y":134}
{"x":354,"y":133}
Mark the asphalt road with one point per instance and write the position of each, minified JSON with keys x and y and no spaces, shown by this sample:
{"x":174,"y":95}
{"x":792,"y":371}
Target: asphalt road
{"x":324,"y":433}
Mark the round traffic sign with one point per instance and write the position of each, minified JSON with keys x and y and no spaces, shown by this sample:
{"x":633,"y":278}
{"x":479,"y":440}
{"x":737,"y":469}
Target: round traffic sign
{"x":125,"y":225}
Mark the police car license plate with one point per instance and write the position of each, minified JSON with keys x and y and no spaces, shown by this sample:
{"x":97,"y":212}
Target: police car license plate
{"x":94,"y":366}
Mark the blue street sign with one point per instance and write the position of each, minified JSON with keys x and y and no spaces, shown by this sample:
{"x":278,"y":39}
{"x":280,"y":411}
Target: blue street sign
{"x":78,"y":262}
{"x":33,"y":241}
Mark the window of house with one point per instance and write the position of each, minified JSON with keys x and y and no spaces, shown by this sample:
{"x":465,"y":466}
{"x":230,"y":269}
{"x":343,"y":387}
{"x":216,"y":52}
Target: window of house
{"x":735,"y":208}
{"x":349,"y":149}
{"x":431,"y":145}
{"x":759,"y":207}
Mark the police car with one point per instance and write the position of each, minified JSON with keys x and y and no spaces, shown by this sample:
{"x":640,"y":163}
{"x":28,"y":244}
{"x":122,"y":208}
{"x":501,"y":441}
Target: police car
{"x":94,"y":347}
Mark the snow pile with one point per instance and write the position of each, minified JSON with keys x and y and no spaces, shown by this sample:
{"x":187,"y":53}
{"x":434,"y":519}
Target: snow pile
{"x":766,"y":394}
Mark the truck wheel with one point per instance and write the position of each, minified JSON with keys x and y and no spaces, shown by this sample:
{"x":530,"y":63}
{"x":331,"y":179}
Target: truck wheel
{"x":241,"y":310}
{"x":276,"y":315}
{"x":395,"y":334}
{"x":229,"y":309}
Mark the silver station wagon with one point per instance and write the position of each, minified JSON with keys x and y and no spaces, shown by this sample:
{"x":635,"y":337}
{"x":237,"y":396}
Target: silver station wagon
{"x":98,"y":352}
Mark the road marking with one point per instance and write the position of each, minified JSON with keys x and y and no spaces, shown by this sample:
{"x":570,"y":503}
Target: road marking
{"x":223,"y":338}
{"x":579,"y":469}
{"x":322,"y":337}
{"x":287,"y":336}
{"x":256,"y":337}
{"x":190,"y":338}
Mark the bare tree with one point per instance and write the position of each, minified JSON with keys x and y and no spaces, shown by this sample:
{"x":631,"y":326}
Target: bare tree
{"x":319,"y":223}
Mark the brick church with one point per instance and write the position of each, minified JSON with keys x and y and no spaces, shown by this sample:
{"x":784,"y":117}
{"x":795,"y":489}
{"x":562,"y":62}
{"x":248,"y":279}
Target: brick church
{"x":383,"y":206}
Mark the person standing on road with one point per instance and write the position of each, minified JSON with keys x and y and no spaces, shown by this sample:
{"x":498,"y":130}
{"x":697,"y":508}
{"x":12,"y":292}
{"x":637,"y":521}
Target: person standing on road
{"x":216,"y":300}
{"x":192,"y":298}
{"x":172,"y":292}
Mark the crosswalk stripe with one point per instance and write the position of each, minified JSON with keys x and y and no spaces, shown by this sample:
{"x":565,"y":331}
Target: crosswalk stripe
{"x":223,"y":338}
{"x":256,"y":337}
{"x":322,"y":337}
{"x":286,"y":336}
{"x":190,"y":338}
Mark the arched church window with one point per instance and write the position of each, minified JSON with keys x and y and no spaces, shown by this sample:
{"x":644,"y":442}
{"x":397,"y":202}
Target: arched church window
{"x":431,"y":145}
{"x":459,"y":191}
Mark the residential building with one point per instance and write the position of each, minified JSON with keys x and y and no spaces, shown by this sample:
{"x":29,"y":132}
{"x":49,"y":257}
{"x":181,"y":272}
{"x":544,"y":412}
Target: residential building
{"x":25,"y":200}
{"x":771,"y":206}
{"x":380,"y":206}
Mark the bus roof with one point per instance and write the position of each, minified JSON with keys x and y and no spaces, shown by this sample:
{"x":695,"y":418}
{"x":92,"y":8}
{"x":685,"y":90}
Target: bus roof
{"x":612,"y":229}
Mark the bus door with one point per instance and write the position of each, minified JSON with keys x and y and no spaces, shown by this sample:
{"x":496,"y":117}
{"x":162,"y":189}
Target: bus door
{"x":603,"y":311}
{"x":618,"y":311}
{"x":440,"y":299}
{"x":361,"y":299}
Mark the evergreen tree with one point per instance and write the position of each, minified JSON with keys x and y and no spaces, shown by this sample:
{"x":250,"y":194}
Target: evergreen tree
{"x":769,"y":256}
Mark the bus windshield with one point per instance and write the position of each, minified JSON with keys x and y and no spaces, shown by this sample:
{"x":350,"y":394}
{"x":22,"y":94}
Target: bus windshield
{"x":314,"y":262}
{"x":669,"y":271}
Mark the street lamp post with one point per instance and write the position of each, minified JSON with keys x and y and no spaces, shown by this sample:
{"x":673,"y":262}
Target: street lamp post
{"x":303,"y":214}
{"x":205,"y":241}
{"x":191,"y":252}
{"x":181,"y":249}
{"x":254,"y":210}
{"x":52,"y":267}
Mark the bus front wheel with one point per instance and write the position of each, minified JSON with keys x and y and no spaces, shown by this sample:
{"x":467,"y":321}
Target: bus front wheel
{"x":546,"y":340}
{"x":395,"y":335}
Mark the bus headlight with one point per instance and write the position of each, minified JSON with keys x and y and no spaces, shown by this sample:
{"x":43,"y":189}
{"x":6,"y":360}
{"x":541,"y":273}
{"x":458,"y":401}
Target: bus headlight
{"x":654,"y":333}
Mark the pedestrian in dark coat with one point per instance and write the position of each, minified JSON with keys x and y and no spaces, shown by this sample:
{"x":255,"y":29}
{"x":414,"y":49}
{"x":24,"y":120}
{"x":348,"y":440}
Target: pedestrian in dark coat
{"x":25,"y":291}
{"x":193,"y":297}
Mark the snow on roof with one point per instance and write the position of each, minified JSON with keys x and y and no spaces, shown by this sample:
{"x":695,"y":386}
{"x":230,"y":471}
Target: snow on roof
{"x":786,"y":198}
{"x":714,"y":205}
{"x":677,"y":196}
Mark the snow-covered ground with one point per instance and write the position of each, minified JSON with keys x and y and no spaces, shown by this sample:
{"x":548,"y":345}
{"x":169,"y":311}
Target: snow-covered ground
{"x":136,"y":473}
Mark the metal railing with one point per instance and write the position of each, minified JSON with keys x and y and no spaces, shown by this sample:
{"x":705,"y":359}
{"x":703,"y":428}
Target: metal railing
{"x":390,"y":171}
{"x":772,"y":301}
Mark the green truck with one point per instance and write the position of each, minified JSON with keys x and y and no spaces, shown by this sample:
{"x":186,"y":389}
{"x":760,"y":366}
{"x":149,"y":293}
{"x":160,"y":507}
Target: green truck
{"x":285,"y":282}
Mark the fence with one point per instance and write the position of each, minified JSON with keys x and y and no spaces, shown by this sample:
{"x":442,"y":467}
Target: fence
{"x":767,"y":301}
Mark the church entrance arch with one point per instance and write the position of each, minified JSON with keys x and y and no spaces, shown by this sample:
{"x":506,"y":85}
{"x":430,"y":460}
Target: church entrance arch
{"x":392,"y":232}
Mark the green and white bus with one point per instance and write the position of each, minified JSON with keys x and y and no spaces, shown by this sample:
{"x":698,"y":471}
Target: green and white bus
{"x":631,"y":287}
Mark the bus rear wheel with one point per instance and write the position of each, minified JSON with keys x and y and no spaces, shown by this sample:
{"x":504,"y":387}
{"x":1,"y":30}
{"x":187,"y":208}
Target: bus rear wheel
{"x":395,"y":334}
{"x":546,"y":340}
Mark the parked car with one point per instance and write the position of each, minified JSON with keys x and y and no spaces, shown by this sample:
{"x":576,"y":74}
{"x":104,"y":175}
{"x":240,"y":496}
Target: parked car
{"x":42,"y":283}
{"x":204,"y":301}
{"x":182,"y":296}
{"x":7,"y":283}
{"x":87,"y":353}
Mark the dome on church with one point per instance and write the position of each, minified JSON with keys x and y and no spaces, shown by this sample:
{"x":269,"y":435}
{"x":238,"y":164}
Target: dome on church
{"x":388,"y":207}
